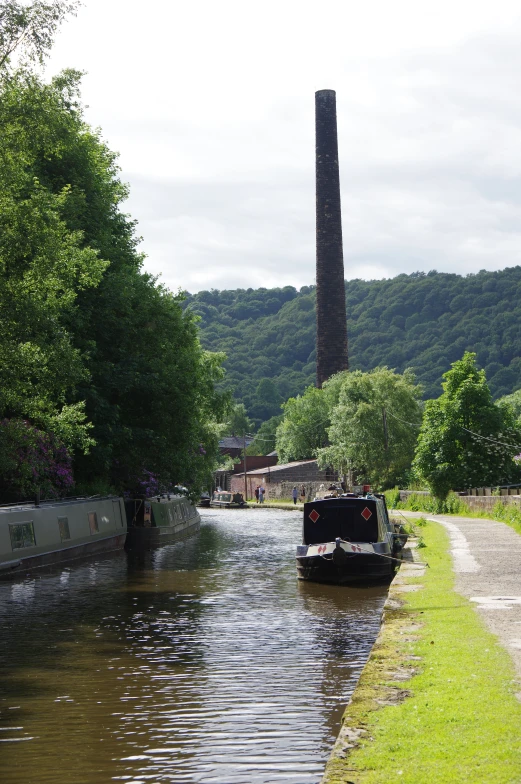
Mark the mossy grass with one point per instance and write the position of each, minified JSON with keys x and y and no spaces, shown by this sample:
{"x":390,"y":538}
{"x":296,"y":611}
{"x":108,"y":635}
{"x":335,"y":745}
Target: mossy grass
{"x":456,"y":719}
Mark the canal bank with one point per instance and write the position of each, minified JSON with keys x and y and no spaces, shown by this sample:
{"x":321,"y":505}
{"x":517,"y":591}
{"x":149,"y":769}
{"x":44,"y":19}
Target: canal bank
{"x":436,"y":701}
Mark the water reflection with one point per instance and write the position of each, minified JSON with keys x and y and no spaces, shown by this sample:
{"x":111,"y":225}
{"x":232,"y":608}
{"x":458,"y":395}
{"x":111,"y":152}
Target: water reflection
{"x":205,"y":661}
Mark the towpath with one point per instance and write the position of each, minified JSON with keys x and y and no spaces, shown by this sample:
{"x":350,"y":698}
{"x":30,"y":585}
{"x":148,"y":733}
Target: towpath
{"x":487,"y":562}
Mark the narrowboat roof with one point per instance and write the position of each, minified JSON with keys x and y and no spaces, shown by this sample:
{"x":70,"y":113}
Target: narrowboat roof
{"x":26,"y":506}
{"x":164,"y":498}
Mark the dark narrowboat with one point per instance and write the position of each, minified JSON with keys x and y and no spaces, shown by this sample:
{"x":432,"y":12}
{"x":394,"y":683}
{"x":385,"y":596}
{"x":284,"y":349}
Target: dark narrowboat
{"x":162,"y":519}
{"x":348,"y":539}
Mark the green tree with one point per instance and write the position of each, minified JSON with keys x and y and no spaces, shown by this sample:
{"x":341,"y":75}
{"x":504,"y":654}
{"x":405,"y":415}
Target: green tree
{"x":85,"y":332}
{"x":371,"y":431}
{"x":29,"y":29}
{"x":423,"y":321}
{"x":265,"y":437}
{"x":32,"y":461}
{"x":267,"y":400}
{"x":514,"y":402}
{"x":237,"y":423}
{"x":44,"y":265}
{"x":303,"y":431}
{"x":466,"y":440}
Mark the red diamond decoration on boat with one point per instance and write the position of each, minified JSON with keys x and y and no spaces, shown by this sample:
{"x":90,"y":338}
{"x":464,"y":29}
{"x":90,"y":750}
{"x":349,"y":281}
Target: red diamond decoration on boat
{"x":313,"y":516}
{"x":366,"y":513}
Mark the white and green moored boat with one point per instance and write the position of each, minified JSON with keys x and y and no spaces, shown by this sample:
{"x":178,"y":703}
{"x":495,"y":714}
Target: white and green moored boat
{"x":37,"y":535}
{"x":159,"y":520}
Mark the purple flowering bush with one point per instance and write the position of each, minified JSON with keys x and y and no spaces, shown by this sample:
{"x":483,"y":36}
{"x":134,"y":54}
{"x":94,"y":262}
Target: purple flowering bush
{"x":31,"y":459}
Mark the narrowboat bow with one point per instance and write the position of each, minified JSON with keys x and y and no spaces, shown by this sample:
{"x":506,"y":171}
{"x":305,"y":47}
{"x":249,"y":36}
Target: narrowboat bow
{"x":348,"y":539}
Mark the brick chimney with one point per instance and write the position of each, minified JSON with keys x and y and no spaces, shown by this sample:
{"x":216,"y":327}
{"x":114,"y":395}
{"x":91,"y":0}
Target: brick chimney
{"x":331,"y":301}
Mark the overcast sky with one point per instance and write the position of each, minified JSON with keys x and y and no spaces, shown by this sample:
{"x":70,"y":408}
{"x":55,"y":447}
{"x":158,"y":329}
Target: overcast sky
{"x":211,"y":107}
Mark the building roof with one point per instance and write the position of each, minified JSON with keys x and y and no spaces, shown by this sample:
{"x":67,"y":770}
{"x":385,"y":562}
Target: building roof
{"x":281,"y":467}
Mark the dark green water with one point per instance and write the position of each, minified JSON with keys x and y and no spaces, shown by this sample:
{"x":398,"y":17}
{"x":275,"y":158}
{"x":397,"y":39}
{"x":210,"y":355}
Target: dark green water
{"x":207,"y":661}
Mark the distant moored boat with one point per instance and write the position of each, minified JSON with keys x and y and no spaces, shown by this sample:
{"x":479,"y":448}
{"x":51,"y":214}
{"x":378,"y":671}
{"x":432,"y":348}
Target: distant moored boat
{"x":159,"y":520}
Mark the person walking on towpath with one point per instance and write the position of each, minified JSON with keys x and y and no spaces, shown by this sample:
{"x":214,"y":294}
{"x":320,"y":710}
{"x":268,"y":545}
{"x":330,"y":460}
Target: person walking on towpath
{"x":261,"y":494}
{"x":257,"y":493}
{"x":294,"y":494}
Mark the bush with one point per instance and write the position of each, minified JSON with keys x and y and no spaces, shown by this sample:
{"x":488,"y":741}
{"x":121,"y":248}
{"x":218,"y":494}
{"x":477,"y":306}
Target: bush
{"x":392,"y":498}
{"x":507,"y":513}
{"x":31,"y":461}
{"x":418,"y":502}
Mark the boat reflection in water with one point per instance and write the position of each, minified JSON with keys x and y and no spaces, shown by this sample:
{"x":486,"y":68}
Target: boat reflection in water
{"x":202,"y":661}
{"x":39,"y":535}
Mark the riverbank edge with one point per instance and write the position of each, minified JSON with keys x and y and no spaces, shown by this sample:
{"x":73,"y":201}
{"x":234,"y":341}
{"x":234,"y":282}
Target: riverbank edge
{"x":384,"y":684}
{"x":366,"y":691}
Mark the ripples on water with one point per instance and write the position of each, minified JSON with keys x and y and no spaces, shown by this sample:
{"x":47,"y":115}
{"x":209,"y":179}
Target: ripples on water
{"x":205,"y":661}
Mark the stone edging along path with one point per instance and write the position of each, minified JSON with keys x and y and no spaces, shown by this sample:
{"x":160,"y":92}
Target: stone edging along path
{"x":439,"y":725}
{"x":487,"y":562}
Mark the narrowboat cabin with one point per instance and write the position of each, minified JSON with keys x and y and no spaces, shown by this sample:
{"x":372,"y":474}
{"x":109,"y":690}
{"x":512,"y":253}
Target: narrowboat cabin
{"x":348,"y":539}
{"x":38,"y":535}
{"x":162,"y":519}
{"x":228,"y":499}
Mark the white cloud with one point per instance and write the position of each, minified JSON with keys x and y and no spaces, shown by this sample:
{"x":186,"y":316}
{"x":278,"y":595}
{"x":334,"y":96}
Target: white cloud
{"x":211,"y":107}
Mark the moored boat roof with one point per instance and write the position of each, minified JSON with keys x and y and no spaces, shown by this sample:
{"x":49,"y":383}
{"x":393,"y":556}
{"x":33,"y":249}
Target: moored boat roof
{"x":21,"y":506}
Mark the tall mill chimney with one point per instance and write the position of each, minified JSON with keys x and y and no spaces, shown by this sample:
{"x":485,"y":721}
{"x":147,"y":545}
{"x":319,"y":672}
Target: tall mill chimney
{"x":331,"y":298}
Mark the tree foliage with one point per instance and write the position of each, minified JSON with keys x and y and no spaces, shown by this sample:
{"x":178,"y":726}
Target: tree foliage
{"x":265,"y":437}
{"x":370,"y":431}
{"x":92,"y":348}
{"x":465,"y":437}
{"x":237,"y":423}
{"x":422,"y":321}
{"x":29,"y":29}
{"x":44,"y":265}
{"x":514,"y":403}
{"x":32,"y":461}
{"x":304,"y":428}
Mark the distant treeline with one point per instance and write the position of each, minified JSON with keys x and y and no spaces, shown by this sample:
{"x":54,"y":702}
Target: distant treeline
{"x":423,"y":321}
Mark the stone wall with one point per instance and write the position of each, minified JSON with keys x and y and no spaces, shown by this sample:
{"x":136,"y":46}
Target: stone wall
{"x":274,"y":490}
{"x":278,"y":490}
{"x":487,"y":503}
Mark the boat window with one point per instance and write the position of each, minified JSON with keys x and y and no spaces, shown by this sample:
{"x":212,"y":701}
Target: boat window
{"x":93,"y":522}
{"x":22,"y":535}
{"x":63,"y":523}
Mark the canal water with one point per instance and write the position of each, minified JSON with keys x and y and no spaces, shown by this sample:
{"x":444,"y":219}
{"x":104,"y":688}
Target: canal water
{"x":205,"y":661}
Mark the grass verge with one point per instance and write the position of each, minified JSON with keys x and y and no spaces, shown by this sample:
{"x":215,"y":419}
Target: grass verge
{"x":436,"y":701}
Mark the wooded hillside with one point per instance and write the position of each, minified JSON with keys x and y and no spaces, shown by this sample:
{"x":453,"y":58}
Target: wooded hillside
{"x":423,"y":321}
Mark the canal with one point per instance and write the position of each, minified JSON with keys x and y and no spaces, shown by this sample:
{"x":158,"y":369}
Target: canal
{"x":205,"y":661}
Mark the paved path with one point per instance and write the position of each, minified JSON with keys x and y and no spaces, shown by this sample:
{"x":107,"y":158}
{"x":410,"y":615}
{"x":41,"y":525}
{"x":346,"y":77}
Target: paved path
{"x":487,"y":562}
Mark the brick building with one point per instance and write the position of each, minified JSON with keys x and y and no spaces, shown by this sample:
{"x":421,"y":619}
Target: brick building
{"x":278,"y":480}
